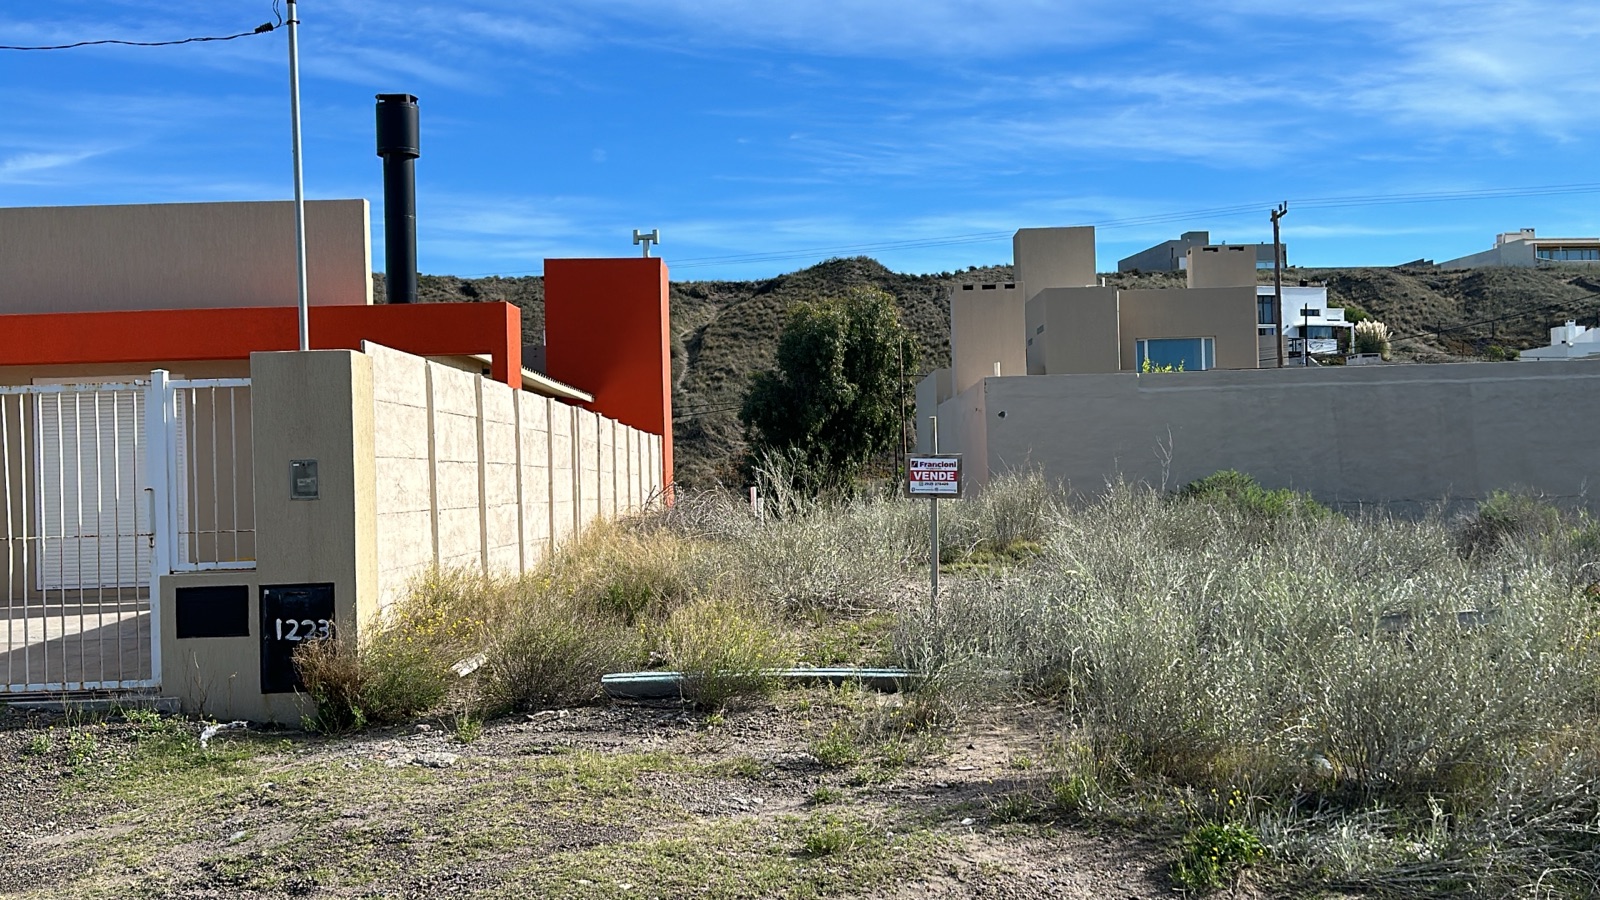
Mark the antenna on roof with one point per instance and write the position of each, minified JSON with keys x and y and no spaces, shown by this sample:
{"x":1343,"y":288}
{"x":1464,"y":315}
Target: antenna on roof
{"x":654,"y":237}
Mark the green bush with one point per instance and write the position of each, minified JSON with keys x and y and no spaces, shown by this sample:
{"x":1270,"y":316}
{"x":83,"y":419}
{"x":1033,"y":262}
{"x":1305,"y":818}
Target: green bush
{"x":1238,"y":491}
{"x":722,"y":649}
{"x":1507,"y":516}
{"x":1212,"y":856}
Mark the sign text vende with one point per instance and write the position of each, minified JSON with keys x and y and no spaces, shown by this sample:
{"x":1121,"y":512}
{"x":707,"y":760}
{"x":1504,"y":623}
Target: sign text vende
{"x":934,"y":476}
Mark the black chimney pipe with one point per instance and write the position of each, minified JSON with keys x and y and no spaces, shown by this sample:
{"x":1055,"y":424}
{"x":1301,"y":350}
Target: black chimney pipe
{"x":399,"y":145}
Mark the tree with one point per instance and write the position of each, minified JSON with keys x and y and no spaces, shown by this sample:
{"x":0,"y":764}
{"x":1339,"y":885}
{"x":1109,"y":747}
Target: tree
{"x":835,"y":398}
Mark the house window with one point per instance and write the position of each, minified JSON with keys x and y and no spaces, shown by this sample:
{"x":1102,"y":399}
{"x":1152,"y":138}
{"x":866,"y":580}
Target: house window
{"x":1569,"y":254}
{"x":1188,"y":354}
{"x":1264,"y":314}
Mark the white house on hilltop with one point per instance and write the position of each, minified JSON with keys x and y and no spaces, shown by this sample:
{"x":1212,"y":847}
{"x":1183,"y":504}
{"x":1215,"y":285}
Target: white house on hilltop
{"x":1569,"y":341}
{"x":1305,"y":315}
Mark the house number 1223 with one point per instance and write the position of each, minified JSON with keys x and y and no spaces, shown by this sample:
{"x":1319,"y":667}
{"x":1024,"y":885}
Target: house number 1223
{"x":304,"y":629}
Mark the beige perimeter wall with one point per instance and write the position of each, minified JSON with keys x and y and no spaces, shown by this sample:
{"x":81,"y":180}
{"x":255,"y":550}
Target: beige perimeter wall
{"x":1401,"y":437}
{"x":471,"y":474}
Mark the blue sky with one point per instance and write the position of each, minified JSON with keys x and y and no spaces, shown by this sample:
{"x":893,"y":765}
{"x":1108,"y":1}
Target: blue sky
{"x":761,"y":137}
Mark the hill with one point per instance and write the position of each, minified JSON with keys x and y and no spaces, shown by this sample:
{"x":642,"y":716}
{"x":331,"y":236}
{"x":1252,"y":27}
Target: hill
{"x":723,"y":331}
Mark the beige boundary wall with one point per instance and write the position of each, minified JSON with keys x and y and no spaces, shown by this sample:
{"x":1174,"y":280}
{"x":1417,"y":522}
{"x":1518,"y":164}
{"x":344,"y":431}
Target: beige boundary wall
{"x":472,"y":474}
{"x":420,"y":464}
{"x":1404,"y":438}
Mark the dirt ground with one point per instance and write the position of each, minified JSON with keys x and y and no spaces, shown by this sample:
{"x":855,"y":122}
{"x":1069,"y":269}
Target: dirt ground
{"x":805,"y":795}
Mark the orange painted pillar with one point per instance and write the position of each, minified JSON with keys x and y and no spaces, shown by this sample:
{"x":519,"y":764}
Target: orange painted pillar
{"x":606,"y":331}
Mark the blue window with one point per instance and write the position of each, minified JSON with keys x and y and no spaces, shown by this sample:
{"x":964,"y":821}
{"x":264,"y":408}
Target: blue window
{"x":1186,"y":354}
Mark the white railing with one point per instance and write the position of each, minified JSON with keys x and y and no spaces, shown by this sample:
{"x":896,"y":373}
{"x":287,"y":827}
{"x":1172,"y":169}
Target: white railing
{"x":201,"y":428}
{"x":76,"y":540}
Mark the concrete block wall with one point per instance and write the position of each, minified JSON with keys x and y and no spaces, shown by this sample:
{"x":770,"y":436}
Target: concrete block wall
{"x":1400,"y":438}
{"x":501,"y":523}
{"x":563,"y":477}
{"x":458,"y":501}
{"x":533,"y":417}
{"x":607,"y":456}
{"x":471,"y":474}
{"x":586,"y":498}
{"x":403,"y":449}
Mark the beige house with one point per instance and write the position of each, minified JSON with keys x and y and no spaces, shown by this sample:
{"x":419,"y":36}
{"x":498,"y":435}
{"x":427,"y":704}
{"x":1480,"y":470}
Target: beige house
{"x":1526,"y":248}
{"x":185,"y":496}
{"x":1048,"y":372}
{"x":1055,"y":320}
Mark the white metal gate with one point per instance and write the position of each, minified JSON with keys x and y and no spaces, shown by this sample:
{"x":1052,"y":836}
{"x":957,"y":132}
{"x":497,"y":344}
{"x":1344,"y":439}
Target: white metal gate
{"x":203,"y":429}
{"x":75,"y":564}
{"x":105,"y":488}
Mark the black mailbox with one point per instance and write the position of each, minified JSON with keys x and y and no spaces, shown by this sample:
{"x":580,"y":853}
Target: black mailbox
{"x":290,"y":615}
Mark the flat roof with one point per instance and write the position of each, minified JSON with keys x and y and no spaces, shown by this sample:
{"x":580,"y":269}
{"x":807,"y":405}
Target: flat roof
{"x":540,"y":383}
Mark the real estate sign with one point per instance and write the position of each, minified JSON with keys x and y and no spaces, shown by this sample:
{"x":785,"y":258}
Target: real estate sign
{"x":937,"y":475}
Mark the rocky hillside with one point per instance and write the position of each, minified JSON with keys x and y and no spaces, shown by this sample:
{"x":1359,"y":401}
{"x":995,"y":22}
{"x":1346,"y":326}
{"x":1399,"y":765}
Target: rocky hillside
{"x":722,"y":331}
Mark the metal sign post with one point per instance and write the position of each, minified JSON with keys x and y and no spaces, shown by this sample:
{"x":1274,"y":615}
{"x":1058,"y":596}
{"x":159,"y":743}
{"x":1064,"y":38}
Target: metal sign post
{"x":933,"y":522}
{"x":933,"y":476}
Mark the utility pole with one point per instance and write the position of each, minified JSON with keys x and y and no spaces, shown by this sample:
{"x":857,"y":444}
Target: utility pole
{"x":900,"y":461}
{"x":299,"y":175}
{"x":1277,"y":276}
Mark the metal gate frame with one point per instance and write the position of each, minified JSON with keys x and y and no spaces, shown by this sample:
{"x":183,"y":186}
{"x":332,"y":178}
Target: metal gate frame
{"x":160,"y":482}
{"x":33,"y":547}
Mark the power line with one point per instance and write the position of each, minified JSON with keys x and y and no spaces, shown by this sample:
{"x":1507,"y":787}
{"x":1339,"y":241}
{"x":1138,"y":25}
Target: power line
{"x":705,"y":412}
{"x":1507,"y":317}
{"x":263,"y":28}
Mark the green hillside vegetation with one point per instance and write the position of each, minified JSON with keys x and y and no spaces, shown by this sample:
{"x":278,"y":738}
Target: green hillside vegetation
{"x":725,"y":331}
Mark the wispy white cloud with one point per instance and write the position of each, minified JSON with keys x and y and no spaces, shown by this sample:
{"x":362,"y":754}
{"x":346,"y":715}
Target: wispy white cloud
{"x":32,"y":168}
{"x":1455,"y":65}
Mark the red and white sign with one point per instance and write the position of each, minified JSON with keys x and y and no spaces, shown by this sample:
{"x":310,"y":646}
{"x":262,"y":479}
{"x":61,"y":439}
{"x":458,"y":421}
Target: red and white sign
{"x":934,"y":476}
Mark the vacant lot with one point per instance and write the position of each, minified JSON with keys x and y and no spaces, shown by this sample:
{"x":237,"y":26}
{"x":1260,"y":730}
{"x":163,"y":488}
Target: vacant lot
{"x":593,"y":802}
{"x":1219,"y":689}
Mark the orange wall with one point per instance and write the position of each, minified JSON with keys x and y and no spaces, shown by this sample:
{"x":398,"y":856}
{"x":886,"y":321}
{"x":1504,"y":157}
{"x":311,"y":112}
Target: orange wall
{"x":424,"y":329}
{"x":606,"y":331}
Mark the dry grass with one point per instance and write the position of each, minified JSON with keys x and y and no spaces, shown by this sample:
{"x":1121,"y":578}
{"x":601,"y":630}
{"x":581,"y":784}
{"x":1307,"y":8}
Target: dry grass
{"x":1392,"y":710}
{"x":1387,"y":704}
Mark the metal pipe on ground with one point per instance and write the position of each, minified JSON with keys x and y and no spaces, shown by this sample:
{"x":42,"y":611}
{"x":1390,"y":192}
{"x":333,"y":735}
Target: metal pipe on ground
{"x":670,"y":685}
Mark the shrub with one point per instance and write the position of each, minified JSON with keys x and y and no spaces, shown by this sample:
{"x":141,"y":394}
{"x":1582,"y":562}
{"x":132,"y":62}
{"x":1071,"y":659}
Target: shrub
{"x":1505,"y":516}
{"x":402,"y":664}
{"x":626,"y":573}
{"x":1356,"y":675}
{"x":551,"y":649}
{"x":1238,"y":491}
{"x":1016,"y":508}
{"x":1213,"y":856}
{"x":1371,"y":336}
{"x":722,"y":649}
{"x":832,"y":558}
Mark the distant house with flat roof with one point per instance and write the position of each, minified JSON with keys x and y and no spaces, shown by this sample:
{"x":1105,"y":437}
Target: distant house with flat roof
{"x":1525,"y":248}
{"x":1172,"y":256}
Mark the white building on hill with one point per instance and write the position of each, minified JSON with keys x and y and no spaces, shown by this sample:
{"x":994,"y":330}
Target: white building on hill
{"x":1569,"y":341}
